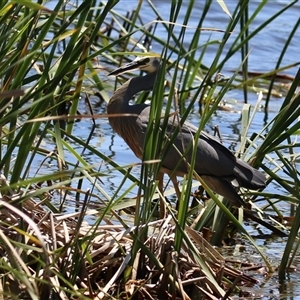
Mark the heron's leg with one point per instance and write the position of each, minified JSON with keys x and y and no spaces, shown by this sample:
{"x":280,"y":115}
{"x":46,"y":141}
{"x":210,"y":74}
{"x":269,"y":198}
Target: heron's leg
{"x":218,"y":133}
{"x":160,"y":178}
{"x":176,"y":187}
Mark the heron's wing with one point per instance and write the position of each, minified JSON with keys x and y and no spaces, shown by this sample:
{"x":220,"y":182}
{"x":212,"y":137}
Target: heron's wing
{"x":212,"y":159}
{"x":142,"y":123}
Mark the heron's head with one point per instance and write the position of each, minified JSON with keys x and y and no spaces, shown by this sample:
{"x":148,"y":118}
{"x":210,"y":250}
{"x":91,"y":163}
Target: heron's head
{"x":148,"y":64}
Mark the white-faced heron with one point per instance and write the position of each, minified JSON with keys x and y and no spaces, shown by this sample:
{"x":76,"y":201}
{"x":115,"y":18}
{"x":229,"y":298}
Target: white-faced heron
{"x":215,"y":164}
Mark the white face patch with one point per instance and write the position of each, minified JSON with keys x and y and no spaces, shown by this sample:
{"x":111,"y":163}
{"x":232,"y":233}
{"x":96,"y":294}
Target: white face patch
{"x":151,"y":64}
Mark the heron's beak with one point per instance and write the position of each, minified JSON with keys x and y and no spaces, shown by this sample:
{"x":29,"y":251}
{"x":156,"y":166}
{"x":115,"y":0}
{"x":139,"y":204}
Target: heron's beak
{"x":134,"y":65}
{"x":138,"y":63}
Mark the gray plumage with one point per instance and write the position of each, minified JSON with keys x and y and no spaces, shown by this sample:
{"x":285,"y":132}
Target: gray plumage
{"x":215,"y":164}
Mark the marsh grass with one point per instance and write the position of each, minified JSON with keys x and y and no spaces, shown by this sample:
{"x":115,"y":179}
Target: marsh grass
{"x":47,"y":67}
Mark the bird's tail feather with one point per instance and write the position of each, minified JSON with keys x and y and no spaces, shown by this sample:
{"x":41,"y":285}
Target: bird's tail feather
{"x":249,"y":177}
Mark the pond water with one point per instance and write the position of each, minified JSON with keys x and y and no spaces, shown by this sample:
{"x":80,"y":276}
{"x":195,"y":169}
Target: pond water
{"x":265,"y":50}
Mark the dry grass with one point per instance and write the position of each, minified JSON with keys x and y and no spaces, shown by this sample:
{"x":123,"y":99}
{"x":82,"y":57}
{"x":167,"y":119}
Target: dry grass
{"x":64,"y":255}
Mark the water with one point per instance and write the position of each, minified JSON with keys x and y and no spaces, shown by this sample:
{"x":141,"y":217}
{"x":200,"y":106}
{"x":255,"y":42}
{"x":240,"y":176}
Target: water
{"x":269,"y":40}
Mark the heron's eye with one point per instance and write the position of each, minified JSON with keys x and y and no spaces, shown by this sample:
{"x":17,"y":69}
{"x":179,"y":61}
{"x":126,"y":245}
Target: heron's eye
{"x":146,"y":60}
{"x":156,"y":63}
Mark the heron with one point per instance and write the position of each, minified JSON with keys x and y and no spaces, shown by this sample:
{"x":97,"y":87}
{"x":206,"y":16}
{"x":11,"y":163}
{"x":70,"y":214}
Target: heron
{"x":218,"y":167}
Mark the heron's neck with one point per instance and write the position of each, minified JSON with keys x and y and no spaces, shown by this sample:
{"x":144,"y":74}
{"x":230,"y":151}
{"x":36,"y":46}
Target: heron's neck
{"x":127,"y":126}
{"x":121,"y":97}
